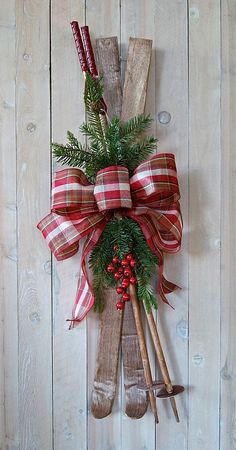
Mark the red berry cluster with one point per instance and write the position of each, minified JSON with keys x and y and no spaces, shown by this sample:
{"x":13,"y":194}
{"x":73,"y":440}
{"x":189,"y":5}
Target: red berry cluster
{"x":122,"y":270}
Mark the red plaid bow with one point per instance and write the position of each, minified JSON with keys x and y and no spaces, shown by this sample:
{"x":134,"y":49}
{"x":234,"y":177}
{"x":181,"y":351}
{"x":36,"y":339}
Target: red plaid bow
{"x":150,"y":197}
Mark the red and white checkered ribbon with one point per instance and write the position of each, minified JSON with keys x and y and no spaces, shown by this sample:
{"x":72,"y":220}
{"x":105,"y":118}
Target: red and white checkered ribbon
{"x":150,"y":197}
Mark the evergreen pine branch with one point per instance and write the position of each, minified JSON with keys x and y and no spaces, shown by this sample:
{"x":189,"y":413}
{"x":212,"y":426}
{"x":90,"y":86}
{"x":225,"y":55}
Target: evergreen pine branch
{"x":146,"y":294}
{"x":72,"y":154}
{"x":94,"y":107}
{"x":113,"y":140}
{"x":134,"y":127}
{"x":125,"y":234}
{"x":98,"y":287}
{"x":115,"y":145}
{"x":138,"y":152}
{"x":93,"y":92}
{"x":90,"y":132}
{"x":73,"y":141}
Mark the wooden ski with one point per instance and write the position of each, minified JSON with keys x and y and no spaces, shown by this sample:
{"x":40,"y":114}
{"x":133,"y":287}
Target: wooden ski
{"x":134,"y":96}
{"x":107,"y":359}
{"x":105,"y":380}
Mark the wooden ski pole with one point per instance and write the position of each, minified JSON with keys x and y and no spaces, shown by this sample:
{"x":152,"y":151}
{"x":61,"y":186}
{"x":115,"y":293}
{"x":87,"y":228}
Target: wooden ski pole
{"x":143,"y":348}
{"x":161,"y":360}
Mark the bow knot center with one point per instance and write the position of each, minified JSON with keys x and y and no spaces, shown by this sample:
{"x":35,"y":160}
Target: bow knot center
{"x":112,"y":188}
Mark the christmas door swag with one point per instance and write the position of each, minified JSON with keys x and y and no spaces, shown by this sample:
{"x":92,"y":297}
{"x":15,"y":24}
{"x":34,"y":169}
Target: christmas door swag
{"x":122,"y":206}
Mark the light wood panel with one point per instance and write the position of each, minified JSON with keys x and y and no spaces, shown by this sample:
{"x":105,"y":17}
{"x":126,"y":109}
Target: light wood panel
{"x":228,"y":305}
{"x":69,"y":347}
{"x":33,"y":177}
{"x":8,"y":241}
{"x":204,"y":214}
{"x":171,"y":100}
{"x":45,"y":404}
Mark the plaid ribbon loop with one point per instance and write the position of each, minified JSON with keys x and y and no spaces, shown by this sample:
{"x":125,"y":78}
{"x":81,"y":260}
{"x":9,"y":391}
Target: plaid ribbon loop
{"x":79,"y":209}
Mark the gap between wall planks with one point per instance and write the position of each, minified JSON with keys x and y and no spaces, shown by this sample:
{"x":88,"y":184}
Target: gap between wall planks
{"x":28,"y":425}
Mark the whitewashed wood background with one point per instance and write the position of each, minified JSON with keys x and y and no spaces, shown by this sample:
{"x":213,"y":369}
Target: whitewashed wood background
{"x":46,"y":372}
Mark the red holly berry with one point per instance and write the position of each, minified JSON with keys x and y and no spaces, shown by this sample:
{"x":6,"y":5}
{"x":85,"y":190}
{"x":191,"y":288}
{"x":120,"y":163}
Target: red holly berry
{"x":129,"y":256}
{"x":125,"y":283}
{"x":120,"y":269}
{"x":133,"y":280}
{"x":120,"y":306}
{"x":127,"y":272}
{"x":120,"y":290}
{"x":110,"y":268}
{"x":115,"y":248}
{"x":124,"y":262}
{"x":115,"y":260}
{"x":132,"y":263}
{"x":126,"y":297}
{"x":117,"y":275}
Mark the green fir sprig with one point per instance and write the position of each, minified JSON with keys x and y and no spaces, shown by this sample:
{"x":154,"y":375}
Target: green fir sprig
{"x":117,"y":143}
{"x":126,"y":236}
{"x":120,"y":143}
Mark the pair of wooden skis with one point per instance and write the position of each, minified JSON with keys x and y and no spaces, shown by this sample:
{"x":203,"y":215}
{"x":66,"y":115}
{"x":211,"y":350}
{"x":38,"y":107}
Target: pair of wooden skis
{"x":117,"y":326}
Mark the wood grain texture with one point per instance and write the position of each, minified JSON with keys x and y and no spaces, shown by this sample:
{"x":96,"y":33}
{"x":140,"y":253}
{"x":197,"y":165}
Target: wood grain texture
{"x":8,"y":242}
{"x":143,"y":349}
{"x":107,"y":374}
{"x":69,"y":347}
{"x":103,"y":19}
{"x":139,"y":55}
{"x":141,"y":22}
{"x":204,"y":214}
{"x":33,"y":177}
{"x":139,"y":59}
{"x":171,"y":113}
{"x":136,"y":401}
{"x":107,"y":50}
{"x":207,"y":410}
{"x":228,"y":241}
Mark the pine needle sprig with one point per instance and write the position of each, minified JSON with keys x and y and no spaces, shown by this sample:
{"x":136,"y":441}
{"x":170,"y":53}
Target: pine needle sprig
{"x":98,"y":289}
{"x":120,"y":143}
{"x":125,"y":234}
{"x":146,"y":294}
{"x":94,"y":107}
{"x":135,"y":126}
{"x":73,"y":153}
{"x":137,"y":153}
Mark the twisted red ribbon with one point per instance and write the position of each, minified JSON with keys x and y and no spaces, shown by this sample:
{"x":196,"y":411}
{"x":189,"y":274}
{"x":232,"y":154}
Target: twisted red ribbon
{"x":150,"y":197}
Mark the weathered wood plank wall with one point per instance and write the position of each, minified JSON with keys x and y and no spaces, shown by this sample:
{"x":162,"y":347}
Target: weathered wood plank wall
{"x":46,"y":372}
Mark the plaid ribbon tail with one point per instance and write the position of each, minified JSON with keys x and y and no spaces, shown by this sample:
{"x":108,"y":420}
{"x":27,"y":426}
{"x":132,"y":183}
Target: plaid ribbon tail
{"x":165,"y":287}
{"x":84,"y":299}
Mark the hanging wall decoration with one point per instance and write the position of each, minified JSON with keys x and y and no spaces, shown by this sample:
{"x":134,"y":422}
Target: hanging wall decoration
{"x":120,"y":204}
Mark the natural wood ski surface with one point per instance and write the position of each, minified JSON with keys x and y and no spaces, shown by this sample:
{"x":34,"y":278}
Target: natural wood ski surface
{"x":139,"y":57}
{"x":136,"y":76}
{"x":109,"y":68}
{"x":105,"y":379}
